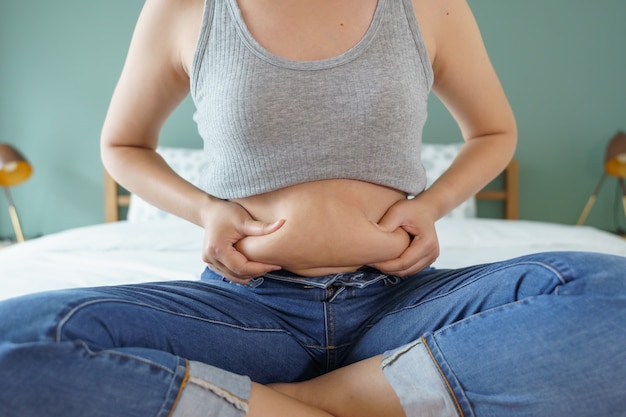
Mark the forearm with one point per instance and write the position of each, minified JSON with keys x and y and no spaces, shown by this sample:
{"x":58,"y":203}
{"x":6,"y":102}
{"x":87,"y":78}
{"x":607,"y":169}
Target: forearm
{"x":468,"y":86}
{"x":144,"y":172}
{"x":479,"y":161}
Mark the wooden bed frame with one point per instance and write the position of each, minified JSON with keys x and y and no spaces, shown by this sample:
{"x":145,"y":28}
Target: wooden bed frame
{"x":116,"y":199}
{"x":508,"y":193}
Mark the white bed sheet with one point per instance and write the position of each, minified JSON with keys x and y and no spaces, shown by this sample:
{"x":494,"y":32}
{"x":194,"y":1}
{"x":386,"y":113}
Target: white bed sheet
{"x":169,"y":249}
{"x":467,"y":242}
{"x":104,"y":254}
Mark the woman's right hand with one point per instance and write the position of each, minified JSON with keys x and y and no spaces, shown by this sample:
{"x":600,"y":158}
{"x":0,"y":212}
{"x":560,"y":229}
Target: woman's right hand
{"x":225,"y":223}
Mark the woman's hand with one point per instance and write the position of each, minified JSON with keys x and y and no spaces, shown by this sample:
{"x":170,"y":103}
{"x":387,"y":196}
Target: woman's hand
{"x":225,"y":223}
{"x":418,"y":220}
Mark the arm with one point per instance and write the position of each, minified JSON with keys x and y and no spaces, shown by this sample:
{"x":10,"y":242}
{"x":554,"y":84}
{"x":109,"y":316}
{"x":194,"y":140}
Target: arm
{"x":468,"y":86}
{"x":153,"y":82}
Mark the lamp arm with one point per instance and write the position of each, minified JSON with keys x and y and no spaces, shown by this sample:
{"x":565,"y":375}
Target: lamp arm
{"x":622,"y":183}
{"x":590,"y":202}
{"x":19,"y":236}
{"x":9,"y":197}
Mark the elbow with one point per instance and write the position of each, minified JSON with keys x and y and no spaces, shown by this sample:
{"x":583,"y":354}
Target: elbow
{"x":117,"y":148}
{"x":105,"y":150}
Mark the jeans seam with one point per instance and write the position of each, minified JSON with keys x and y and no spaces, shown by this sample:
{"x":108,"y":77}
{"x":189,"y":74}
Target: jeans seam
{"x":549,"y":267}
{"x":63,"y":321}
{"x":65,"y":318}
{"x":445,"y":380}
{"x":182,"y":386}
{"x":328,"y":328}
{"x":235,"y":401}
{"x":116,"y":353}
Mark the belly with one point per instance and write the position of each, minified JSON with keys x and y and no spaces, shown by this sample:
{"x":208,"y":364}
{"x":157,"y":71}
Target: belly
{"x":329,"y":227}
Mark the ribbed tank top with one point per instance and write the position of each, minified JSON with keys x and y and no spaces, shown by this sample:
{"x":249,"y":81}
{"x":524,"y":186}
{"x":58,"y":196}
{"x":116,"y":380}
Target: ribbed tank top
{"x":269,"y":122}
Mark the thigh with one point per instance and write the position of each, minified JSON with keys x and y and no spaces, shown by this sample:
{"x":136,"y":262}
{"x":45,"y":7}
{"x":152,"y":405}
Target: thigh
{"x":434,"y":299}
{"x":192,"y":320}
{"x":537,"y":335}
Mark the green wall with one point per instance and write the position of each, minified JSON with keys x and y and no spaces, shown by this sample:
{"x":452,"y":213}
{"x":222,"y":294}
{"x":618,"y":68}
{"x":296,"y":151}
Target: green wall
{"x":562,"y":63}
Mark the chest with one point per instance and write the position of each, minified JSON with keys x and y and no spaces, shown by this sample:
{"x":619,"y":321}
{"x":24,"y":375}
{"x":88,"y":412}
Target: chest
{"x":273,"y":106}
{"x":307,"y":30}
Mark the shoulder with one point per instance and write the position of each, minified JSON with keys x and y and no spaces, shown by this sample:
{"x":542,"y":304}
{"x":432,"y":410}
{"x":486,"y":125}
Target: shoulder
{"x":172,"y":26}
{"x":173,"y":10}
{"x":444,"y":25}
{"x":428,"y":14}
{"x":154,"y":79}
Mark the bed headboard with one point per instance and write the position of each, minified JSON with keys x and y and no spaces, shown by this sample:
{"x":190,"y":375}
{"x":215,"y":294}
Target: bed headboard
{"x":116,"y":199}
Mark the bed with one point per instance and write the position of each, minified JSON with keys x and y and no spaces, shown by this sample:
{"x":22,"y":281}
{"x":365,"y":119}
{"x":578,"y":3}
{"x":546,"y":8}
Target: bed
{"x":138,"y":243}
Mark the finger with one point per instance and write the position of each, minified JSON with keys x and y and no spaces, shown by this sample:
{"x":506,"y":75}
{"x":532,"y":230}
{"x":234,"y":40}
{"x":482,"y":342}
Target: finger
{"x":415,"y":258}
{"x":232,"y":276}
{"x":403,"y":267}
{"x":239,"y":267}
{"x":414,"y":267}
{"x":259,"y":228}
{"x":223,"y":272}
{"x":229,"y":262}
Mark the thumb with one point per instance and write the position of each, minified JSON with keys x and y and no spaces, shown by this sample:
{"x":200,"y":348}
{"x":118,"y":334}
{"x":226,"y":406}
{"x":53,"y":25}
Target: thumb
{"x":258,"y":228}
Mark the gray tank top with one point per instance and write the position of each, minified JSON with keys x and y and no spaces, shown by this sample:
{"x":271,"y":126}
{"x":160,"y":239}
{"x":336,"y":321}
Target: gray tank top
{"x":268,"y":122}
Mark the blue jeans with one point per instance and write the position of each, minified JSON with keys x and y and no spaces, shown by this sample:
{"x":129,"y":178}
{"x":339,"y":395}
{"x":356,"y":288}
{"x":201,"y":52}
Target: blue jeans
{"x":540,"y":335}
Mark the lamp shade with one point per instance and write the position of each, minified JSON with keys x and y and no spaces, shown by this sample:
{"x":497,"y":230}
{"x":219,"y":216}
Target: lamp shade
{"x":14,"y":168}
{"x":615,"y":157}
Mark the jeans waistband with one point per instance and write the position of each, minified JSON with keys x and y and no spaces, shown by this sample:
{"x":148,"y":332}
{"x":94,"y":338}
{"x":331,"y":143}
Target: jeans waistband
{"x":361,"y":278}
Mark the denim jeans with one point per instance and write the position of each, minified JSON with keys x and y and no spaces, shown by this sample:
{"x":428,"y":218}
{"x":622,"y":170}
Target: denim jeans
{"x":540,"y":335}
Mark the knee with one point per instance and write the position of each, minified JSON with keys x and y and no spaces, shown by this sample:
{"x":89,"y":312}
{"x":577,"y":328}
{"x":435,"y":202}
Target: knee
{"x":37,"y":317}
{"x":23,"y":318}
{"x":595,"y":272}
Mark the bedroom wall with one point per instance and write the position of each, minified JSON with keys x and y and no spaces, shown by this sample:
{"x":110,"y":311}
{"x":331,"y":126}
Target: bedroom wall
{"x":561,"y":62}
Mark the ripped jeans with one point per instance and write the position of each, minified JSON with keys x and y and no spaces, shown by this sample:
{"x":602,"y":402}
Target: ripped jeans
{"x":541,"y":335}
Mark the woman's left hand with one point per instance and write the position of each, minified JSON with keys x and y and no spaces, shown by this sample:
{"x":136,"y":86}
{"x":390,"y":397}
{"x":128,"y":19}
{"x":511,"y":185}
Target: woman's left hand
{"x":418,"y":220}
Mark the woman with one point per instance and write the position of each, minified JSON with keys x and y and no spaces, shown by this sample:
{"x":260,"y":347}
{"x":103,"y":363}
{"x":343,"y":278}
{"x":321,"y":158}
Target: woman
{"x":318,"y":299}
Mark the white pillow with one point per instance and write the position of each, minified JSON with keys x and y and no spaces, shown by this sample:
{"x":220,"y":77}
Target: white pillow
{"x":436,"y":159}
{"x":188,"y":163}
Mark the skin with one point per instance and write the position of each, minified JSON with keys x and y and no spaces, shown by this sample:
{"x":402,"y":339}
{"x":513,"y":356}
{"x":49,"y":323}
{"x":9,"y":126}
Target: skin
{"x":243,"y":237}
{"x":347,"y":211}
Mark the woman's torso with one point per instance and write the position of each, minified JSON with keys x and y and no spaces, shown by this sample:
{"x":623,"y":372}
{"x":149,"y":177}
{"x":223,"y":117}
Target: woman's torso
{"x":330,"y":224}
{"x":330,"y":227}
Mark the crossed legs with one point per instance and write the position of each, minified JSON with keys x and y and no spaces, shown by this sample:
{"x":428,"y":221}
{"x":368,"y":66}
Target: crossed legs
{"x":540,"y":335}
